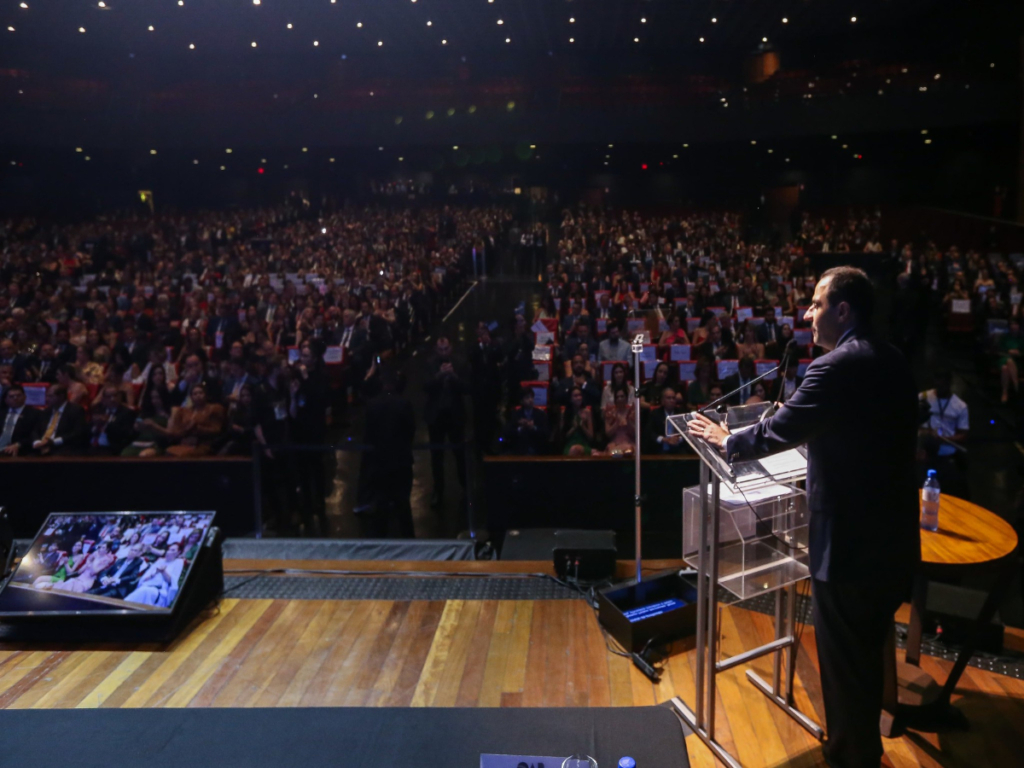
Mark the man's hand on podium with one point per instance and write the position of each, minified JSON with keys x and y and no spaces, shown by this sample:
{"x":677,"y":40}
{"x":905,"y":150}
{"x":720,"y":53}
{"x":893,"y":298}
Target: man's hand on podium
{"x":702,"y":426}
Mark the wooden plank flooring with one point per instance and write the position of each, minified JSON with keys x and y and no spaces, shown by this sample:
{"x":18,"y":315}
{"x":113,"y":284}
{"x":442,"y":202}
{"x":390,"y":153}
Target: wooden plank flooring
{"x":280,"y":653}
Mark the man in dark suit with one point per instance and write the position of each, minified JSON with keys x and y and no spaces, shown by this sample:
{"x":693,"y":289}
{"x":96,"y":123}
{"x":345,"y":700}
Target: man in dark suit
{"x":655,"y":439}
{"x":486,"y":358}
{"x":385,"y":476}
{"x":191,"y":375}
{"x":18,"y":423}
{"x":44,"y":369}
{"x":66,"y":351}
{"x":131,"y":349}
{"x":865,"y":540}
{"x":62,"y":430}
{"x":121,"y":578}
{"x":741,"y":380}
{"x":783,"y":387}
{"x":526,"y":432}
{"x":445,"y":414}
{"x":8,"y":356}
{"x":113,"y":425}
{"x":717,"y":347}
{"x":768,"y":332}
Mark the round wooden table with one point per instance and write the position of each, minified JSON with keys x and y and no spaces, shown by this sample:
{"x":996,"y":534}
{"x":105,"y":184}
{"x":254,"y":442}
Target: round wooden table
{"x":969,"y":537}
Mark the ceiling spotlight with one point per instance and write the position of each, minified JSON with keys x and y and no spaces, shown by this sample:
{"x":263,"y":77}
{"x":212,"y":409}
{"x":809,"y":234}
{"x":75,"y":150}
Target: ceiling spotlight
{"x":150,"y":27}
{"x":643,"y":20}
{"x":181,"y":2}
{"x":904,"y":70}
{"x":87,"y":158}
{"x":332,"y":159}
{"x":359,"y":25}
{"x":82,"y":30}
{"x":191,"y":46}
{"x":380,"y":43}
{"x":288,"y":25}
{"x":923,"y":88}
{"x":927,"y":141}
{"x":610,"y":146}
{"x":223,"y":168}
{"x":101,"y":4}
{"x":228,"y":151}
{"x":714,"y":20}
{"x":992,"y":65}
{"x":316,"y":95}
{"x":785,"y":20}
{"x":924,"y":132}
{"x":572,"y":20}
{"x":78,"y":149}
{"x":846,"y":146}
{"x":323,"y":230}
{"x":938,"y":76}
{"x":455,"y":147}
{"x":500,"y":22}
{"x":770,"y":151}
{"x":508,"y":39}
{"x":23,"y":5}
{"x":853,"y":19}
{"x":10,"y":29}
{"x":701,"y":39}
{"x":787,"y":159}
{"x":444,"y":42}
{"x":316,"y":43}
{"x":263,"y":160}
{"x":834,"y":137}
{"x":152,"y":151}
{"x":636,"y":39}
{"x":253,"y":43}
{"x":752,"y":142}
{"x":380,"y":149}
{"x":255,"y":2}
{"x":430,"y":23}
{"x":764,"y":39}
{"x":305,"y":149}
{"x":572,"y":39}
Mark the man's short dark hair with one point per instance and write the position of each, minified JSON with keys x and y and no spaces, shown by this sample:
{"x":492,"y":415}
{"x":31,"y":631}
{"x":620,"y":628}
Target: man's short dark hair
{"x":853,"y":286}
{"x":15,"y":388}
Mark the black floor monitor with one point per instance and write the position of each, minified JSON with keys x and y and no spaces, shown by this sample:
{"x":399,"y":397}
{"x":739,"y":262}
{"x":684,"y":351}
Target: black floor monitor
{"x":113,"y":576}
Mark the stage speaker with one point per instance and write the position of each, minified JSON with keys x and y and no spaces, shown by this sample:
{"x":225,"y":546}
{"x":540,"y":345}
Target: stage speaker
{"x":578,"y":555}
{"x":951,"y":615}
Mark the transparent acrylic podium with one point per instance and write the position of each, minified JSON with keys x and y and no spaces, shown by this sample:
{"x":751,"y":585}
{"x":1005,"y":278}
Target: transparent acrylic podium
{"x":745,"y":531}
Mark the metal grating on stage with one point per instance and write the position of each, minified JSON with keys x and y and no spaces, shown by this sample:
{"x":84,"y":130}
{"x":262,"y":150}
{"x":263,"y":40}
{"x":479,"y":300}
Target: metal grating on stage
{"x":396,"y":588}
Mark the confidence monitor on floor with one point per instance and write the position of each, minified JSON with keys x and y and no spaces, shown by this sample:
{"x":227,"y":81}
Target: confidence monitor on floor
{"x":117,"y":576}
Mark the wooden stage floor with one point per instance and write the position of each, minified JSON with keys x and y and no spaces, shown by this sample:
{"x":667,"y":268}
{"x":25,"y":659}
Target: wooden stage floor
{"x":545,"y":653}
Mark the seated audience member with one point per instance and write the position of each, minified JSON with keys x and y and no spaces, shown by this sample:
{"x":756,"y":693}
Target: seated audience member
{"x":581,"y":335}
{"x":157,"y":361}
{"x":582,"y":379}
{"x":758,"y":394}
{"x":614,"y":347}
{"x":947,"y":427}
{"x":61,"y":429}
{"x":77,"y":392}
{"x":742,"y":381}
{"x":526,"y":432}
{"x":44,"y":368}
{"x":194,"y":373}
{"x":698,"y":391}
{"x":619,"y":380}
{"x":776,"y":350}
{"x":675,"y":334}
{"x":650,"y":391}
{"x":748,"y":345}
{"x":717,"y":347}
{"x":96,"y":562}
{"x":783,"y":387}
{"x":10,"y":356}
{"x":577,"y":425}
{"x":151,"y":428}
{"x":768,"y":332}
{"x":60,"y":566}
{"x":115,"y":377}
{"x":620,"y":426}
{"x":158,"y":586}
{"x":113,"y":425}
{"x":122,"y":577}
{"x":243,"y":428}
{"x":89,"y":372}
{"x":193,"y":428}
{"x":1010,"y":345}
{"x":18,"y":423}
{"x":655,"y":438}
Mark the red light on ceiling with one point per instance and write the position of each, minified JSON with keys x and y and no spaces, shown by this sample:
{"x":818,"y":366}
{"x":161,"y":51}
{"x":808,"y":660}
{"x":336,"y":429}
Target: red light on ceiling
{"x":259,"y":171}
{"x":644,"y":166}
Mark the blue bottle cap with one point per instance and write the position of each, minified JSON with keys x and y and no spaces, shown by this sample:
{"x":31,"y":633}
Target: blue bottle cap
{"x":627,"y":762}
{"x":932,"y":473}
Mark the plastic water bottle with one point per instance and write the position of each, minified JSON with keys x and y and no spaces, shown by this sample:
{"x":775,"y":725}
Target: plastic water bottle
{"x":930,"y":502}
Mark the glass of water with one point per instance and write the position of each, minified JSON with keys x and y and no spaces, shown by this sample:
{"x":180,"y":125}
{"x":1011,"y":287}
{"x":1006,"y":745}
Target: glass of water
{"x":579,"y":761}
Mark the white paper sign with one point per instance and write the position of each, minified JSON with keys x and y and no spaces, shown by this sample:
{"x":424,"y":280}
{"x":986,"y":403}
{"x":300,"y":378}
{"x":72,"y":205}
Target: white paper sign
{"x":961,"y":306}
{"x":688,"y":370}
{"x":678,"y":352}
{"x":332,"y":355}
{"x":727,"y":368}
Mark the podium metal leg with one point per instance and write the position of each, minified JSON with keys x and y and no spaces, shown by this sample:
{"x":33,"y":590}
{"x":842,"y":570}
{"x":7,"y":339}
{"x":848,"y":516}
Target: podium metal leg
{"x":712,"y":607}
{"x":687,"y":716}
{"x":702,"y":596}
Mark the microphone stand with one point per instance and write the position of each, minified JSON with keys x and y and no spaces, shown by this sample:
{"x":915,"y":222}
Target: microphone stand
{"x":637,"y":347}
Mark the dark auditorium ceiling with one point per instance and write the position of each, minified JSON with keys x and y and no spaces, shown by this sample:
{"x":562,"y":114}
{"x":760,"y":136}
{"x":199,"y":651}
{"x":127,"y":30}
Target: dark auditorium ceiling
{"x":149,"y":70}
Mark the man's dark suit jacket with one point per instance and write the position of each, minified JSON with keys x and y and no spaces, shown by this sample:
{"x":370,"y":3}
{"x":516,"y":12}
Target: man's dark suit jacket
{"x":762,"y":332}
{"x":120,"y":432}
{"x":526,"y":442}
{"x":656,"y":428}
{"x":24,"y":430}
{"x":72,"y":429}
{"x":444,"y":394}
{"x":857,"y":411}
{"x":128,"y":582}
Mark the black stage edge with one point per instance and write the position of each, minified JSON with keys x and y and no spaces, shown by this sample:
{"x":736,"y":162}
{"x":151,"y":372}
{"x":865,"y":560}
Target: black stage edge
{"x":204,"y":585}
{"x":342,"y":736}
